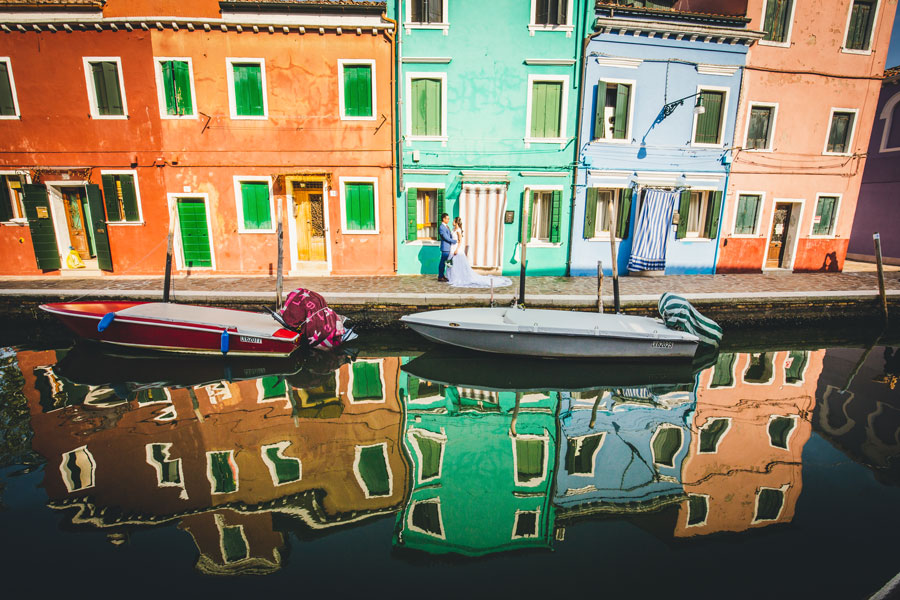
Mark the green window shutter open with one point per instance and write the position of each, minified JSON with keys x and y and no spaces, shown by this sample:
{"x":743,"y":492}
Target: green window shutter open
{"x":111,"y":198}
{"x":106,"y":88}
{"x":599,"y":110}
{"x":412,"y":222}
{"x":177,"y":87}
{"x":529,"y":198}
{"x":6,"y":212}
{"x":248,"y":92}
{"x":709,"y":122}
{"x":555,"y":210}
{"x":825,"y":215}
{"x":546,"y":100}
{"x":776,"y":23}
{"x":373,"y":470}
{"x":357,"y":90}
{"x":255,"y":204}
{"x":712,"y":219}
{"x":861,"y":18}
{"x":98,"y":227}
{"x":623,"y":217}
{"x":360,"y":206}
{"x":43,"y":236}
{"x":620,"y":127}
{"x":129,"y":198}
{"x":684,"y":210}
{"x":7,"y":106}
{"x":194,"y":234}
{"x":426,"y":107}
{"x":758,"y":134}
{"x":590,"y":213}
{"x":440,"y":204}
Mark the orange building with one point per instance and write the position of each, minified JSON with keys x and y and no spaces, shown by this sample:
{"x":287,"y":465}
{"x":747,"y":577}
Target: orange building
{"x":753,"y":418}
{"x":808,"y":101}
{"x":218,"y":116}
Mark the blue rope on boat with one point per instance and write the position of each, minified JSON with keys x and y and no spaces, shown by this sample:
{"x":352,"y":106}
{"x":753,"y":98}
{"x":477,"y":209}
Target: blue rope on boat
{"x":679,"y":314}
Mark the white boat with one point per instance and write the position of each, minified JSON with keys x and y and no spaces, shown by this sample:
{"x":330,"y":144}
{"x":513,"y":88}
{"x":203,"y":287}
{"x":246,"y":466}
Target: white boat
{"x":553,"y":333}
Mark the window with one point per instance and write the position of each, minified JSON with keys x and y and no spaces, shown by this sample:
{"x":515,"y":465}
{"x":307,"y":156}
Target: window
{"x":544,"y":215}
{"x":9,"y":103}
{"x":890,"y":114}
{"x":760,"y":127}
{"x":11,"y":198}
{"x":698,"y":214}
{"x":777,"y":20}
{"x":357,"y":89}
{"x":795,"y":366}
{"x":232,"y":541}
{"x":359,"y":207}
{"x":425,"y":517}
{"x":247,"y":88}
{"x":698,"y":509}
{"x":423,"y":208}
{"x":712,"y":433}
{"x":665,"y":445}
{"x":825,"y":215}
{"x":708,"y":125}
{"x":427,"y":11}
{"x":283,"y":469}
{"x":429,"y":448}
{"x":550,"y":12}
{"x":525,"y":524}
{"x":760,"y":368}
{"x":168,"y":471}
{"x":105,"y":92}
{"x":747,"y":215}
{"x":121,"y":197}
{"x":769,"y":503}
{"x":222,"y":472}
{"x":530,"y":458}
{"x":612,"y":111}
{"x":174,"y":78}
{"x":365,"y":382}
{"x":372,"y":471}
{"x":77,"y":468}
{"x":859,"y":29}
{"x":255,"y":204}
{"x":840,"y":133}
{"x":723,"y":371}
{"x":780,"y":430}
{"x":426,"y":113}
{"x":581,"y":453}
{"x":597,"y":212}
{"x":546,"y":114}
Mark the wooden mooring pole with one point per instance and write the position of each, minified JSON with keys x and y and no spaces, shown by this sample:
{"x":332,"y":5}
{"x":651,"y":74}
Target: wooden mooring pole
{"x":167,"y":282}
{"x":879,"y":262}
{"x":279,"y":281}
{"x":600,"y":286}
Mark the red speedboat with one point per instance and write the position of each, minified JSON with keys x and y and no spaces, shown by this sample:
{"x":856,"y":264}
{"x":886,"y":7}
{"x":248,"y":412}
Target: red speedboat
{"x":177,"y":327}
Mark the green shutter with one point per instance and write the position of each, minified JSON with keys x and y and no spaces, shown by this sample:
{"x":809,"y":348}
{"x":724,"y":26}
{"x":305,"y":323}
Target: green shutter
{"x":590,"y":213}
{"x":684,"y":210}
{"x":698,"y":508}
{"x":287,"y":468}
{"x":412,"y":222}
{"x":529,"y":198}
{"x":373,"y":470}
{"x":234,"y":547}
{"x":430,"y":449}
{"x":222,"y":473}
{"x":111,"y":196}
{"x":711,"y":434}
{"x":825,"y":213}
{"x":43,"y":236}
{"x":723,"y":372}
{"x":580,"y":454}
{"x":106,"y":88}
{"x":758,"y":134}
{"x":248,"y":92}
{"x":7,"y":106}
{"x":98,"y":227}
{"x":168,"y":76}
{"x":769,"y":504}
{"x":840,"y":132}
{"x":623,"y":217}
{"x":6,"y":211}
{"x":129,"y":198}
{"x":555,"y":217}
{"x":255,"y":204}
{"x":168,"y":469}
{"x":666,"y":445}
{"x":794,"y":373}
{"x":620,"y":127}
{"x":357,"y":90}
{"x":600,"y":108}
{"x":712,"y":219}
{"x":546,"y":99}
{"x":412,"y":383}
{"x":427,"y":517}
{"x":860,"y":29}
{"x":177,"y":87}
{"x":748,"y":207}
{"x":360,"y":206}
{"x":426,"y":107}
{"x":440,"y":204}
{"x":709,"y":122}
{"x":529,"y":460}
{"x":273,"y":386}
{"x":776,"y":20}
{"x":367,"y":381}
{"x":194,"y":234}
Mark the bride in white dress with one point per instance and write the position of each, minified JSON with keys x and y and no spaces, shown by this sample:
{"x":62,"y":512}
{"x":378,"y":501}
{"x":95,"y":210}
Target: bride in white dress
{"x":459,"y":272}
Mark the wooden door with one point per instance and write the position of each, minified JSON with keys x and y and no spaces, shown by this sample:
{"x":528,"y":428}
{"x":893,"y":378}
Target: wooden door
{"x":780,"y":224}
{"x":73,"y":202}
{"x":309,"y":213}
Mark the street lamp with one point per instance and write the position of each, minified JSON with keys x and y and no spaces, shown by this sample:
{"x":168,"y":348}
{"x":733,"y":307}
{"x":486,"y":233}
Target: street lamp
{"x":669,"y":108}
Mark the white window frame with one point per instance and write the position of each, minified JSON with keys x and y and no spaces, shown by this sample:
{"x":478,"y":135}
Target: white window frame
{"x":409,"y":519}
{"x":534,"y":242}
{"x":357,"y":454}
{"x":239,"y":204}
{"x":787,"y":38}
{"x":772,"y":123}
{"x":629,"y":132}
{"x":537,"y":524}
{"x":563,"y":109}
{"x":851,"y":136}
{"x":443,"y":26}
{"x":545,"y":438}
{"x":441,"y":438}
{"x":734,"y":213}
{"x":92,"y":92}
{"x":875,"y":13}
{"x":380,"y":363}
{"x":724,"y":117}
{"x":425,"y":186}
{"x":783,"y":489}
{"x":343,"y":184}
{"x":837,"y":206}
{"x":887,"y":115}
{"x":352,"y":63}
{"x":410,"y":75}
{"x":161,"y":88}
{"x":568,"y":28}
{"x":230,"y":61}
{"x":709,"y":422}
{"x":12,"y":87}
{"x":179,"y":250}
{"x":137,"y":195}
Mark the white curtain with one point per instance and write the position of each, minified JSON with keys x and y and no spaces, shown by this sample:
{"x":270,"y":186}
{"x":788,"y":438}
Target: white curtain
{"x":481,"y":209}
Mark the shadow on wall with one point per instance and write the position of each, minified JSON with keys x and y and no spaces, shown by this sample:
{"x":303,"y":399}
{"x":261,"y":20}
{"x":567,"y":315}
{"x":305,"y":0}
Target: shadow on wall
{"x":830,"y":264}
{"x":428,"y":259}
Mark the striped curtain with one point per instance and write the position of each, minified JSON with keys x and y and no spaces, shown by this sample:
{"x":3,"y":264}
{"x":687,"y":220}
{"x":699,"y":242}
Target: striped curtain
{"x":651,"y":233}
{"x":481,"y":209}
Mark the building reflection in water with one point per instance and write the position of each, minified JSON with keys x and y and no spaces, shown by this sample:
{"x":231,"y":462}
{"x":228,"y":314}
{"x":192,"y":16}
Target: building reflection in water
{"x":247,"y":457}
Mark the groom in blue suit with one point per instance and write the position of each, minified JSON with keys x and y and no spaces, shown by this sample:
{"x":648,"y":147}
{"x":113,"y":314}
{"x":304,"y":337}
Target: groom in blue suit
{"x":446,"y":243}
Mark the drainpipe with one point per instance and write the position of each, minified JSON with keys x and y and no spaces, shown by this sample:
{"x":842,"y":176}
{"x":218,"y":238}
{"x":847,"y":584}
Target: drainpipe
{"x":725,"y":156}
{"x":396,"y":153}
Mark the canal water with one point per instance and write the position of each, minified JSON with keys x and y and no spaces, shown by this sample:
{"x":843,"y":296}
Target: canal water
{"x":768,"y":471}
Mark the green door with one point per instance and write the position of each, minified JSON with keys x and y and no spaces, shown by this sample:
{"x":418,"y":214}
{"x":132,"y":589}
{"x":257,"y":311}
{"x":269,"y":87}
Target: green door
{"x":98,"y":227}
{"x":43,"y":236}
{"x":195,"y":250}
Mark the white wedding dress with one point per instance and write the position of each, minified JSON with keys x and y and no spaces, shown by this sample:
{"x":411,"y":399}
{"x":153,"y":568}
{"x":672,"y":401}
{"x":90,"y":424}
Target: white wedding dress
{"x":461,"y":274}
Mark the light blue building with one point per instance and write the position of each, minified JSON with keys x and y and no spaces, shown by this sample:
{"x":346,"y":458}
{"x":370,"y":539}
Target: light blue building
{"x":660,"y":100}
{"x":487,"y":114}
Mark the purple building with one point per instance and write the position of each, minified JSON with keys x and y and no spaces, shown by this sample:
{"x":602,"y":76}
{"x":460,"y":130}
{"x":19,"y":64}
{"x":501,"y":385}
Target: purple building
{"x":878,"y":209}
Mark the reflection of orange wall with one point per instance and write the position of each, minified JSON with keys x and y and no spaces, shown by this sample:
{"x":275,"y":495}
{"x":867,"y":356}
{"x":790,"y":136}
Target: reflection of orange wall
{"x":745,"y":460}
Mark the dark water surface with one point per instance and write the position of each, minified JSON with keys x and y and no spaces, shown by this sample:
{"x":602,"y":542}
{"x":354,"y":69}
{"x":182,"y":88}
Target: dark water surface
{"x":771,"y":471}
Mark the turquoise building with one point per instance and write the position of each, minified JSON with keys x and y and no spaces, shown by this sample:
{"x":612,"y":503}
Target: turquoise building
{"x":487,"y":112}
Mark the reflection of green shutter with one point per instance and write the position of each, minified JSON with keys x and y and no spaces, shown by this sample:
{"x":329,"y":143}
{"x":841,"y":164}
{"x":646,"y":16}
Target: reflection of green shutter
{"x":412,"y":383}
{"x":590,"y":213}
{"x":623,"y":217}
{"x":711,"y":434}
{"x":233,"y":544}
{"x":697,"y":509}
{"x":620,"y":127}
{"x":794,"y":373}
{"x":426,"y":107}
{"x":666,"y":445}
{"x":529,"y":459}
{"x":373,"y":470}
{"x":248,"y":92}
{"x":709,"y":121}
{"x":759,"y":369}
{"x":43,"y":236}
{"x":426,"y":516}
{"x":357,"y":90}
{"x":430,"y":450}
{"x":194,"y":234}
{"x":412,"y":195}
{"x":255,"y":204}
{"x":580,"y":454}
{"x":287,"y":469}
{"x":555,"y":210}
{"x":168,"y":468}
{"x":222,"y":473}
{"x":546,"y":99}
{"x":360,"y":206}
{"x":723,"y":375}
{"x":7,"y":106}
{"x":367,"y":381}
{"x":600,"y":109}
{"x":712,"y":218}
{"x":684,"y":211}
{"x":825,"y":214}
{"x":769,"y":504}
{"x":273,"y":387}
{"x":779,"y":430}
